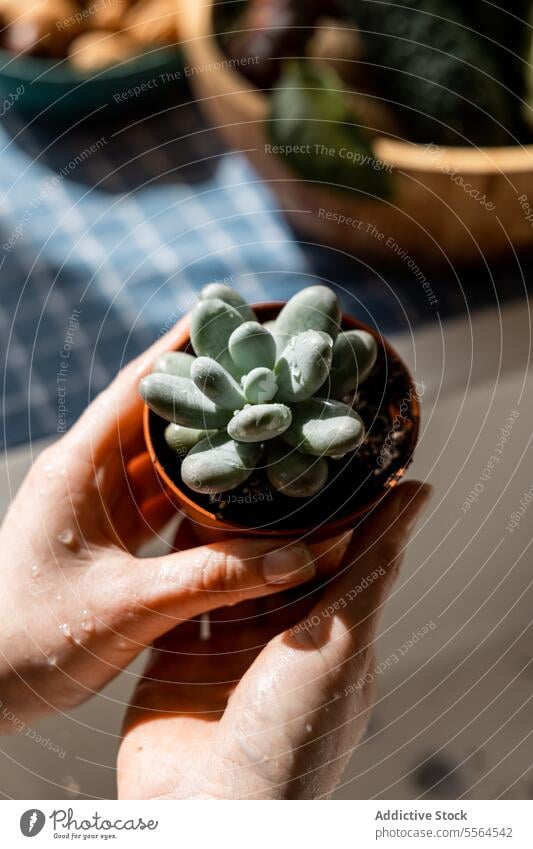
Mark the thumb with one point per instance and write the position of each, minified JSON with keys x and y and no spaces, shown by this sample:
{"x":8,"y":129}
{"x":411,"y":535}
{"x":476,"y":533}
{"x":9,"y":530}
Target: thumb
{"x":305,"y":699}
{"x":187,"y":584}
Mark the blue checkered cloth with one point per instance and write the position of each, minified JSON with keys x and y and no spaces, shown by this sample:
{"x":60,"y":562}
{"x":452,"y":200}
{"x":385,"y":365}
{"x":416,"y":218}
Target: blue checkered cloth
{"x":107,"y":234}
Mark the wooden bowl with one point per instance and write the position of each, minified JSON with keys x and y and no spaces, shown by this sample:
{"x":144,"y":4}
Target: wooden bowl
{"x":448,"y":204}
{"x":209,"y":526}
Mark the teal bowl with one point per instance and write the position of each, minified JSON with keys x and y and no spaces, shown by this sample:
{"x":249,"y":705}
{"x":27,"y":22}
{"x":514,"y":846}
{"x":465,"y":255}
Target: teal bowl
{"x":51,"y":88}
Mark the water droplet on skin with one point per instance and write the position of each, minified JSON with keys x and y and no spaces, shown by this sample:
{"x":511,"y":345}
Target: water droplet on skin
{"x":35,"y":571}
{"x":87,"y":624}
{"x":65,"y":630}
{"x":167,"y":572}
{"x":51,"y":660}
{"x":67,"y":537}
{"x":308,"y":727}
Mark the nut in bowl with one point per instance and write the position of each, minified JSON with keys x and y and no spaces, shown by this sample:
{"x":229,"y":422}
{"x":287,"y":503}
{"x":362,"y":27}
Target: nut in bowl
{"x":350,"y":171}
{"x":289,"y":419}
{"x":64,"y":57}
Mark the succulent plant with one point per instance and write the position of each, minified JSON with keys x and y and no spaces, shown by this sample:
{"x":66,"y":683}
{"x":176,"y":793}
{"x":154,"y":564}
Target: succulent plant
{"x":275,"y":395}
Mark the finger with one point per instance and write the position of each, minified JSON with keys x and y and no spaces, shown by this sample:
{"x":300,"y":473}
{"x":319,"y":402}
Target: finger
{"x":114,"y":418}
{"x":156,"y":513}
{"x":143,"y":479}
{"x":137,"y":476}
{"x":136,"y":524}
{"x":329,"y":553}
{"x":176,"y":587}
{"x":287,"y":607}
{"x":305,"y":697}
{"x":135,"y":503}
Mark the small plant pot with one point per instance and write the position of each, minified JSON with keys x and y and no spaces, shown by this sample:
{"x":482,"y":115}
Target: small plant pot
{"x":354,"y":487}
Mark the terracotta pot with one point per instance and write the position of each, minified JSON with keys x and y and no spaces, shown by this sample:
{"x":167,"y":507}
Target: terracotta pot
{"x":211,"y":527}
{"x":436,"y":213}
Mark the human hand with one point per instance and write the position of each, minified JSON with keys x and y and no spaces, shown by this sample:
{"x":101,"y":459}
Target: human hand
{"x":77,"y":605}
{"x":271,"y":706}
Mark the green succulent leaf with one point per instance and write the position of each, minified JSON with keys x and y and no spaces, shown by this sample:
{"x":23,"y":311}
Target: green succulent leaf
{"x":303,"y":366}
{"x":324,"y":428}
{"x":354,"y":355}
{"x":259,"y":385}
{"x":259,"y":422}
{"x":218,"y":464}
{"x":251,"y":344}
{"x":314,"y":308}
{"x":212,"y":323}
{"x":215,"y":382}
{"x":293,"y":474}
{"x":229,"y":296}
{"x":181,"y":439}
{"x":178,"y":400}
{"x":252,"y":384}
{"x":177,"y":363}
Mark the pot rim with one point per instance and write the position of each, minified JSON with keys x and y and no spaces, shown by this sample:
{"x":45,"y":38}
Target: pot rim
{"x":327,"y":529}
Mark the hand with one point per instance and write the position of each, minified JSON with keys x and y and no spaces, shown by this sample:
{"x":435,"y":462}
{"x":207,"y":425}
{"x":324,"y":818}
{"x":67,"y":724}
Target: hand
{"x":271,"y":706}
{"x":76,"y":604}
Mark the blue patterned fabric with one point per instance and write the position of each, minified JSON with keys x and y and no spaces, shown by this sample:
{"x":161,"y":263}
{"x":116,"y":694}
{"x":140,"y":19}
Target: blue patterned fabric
{"x":107,"y":233}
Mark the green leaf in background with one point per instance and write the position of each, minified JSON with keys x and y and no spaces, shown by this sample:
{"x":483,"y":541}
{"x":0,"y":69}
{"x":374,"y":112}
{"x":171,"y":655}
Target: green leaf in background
{"x":313,"y":128}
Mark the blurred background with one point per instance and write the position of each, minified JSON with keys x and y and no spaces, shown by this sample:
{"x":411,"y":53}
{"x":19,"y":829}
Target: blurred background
{"x":151,"y":147}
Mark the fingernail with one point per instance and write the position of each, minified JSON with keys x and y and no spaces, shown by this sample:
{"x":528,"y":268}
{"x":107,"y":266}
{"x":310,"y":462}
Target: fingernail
{"x":289,"y":565}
